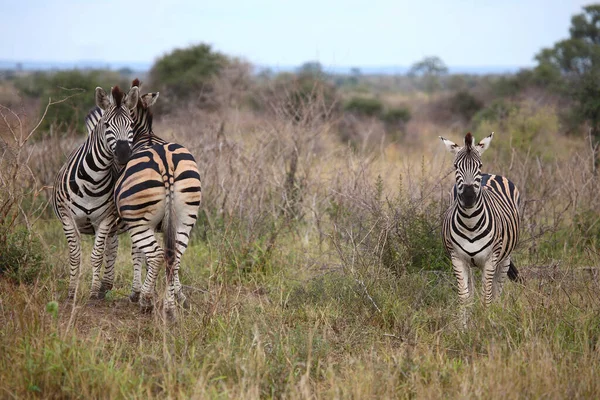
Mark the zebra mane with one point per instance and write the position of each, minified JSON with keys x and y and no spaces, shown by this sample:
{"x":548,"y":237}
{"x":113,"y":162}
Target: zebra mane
{"x":117,"y":95}
{"x":469,"y":141}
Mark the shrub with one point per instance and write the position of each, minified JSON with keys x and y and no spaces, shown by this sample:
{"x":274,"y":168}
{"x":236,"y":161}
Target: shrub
{"x":21,"y":255}
{"x":364,"y":106}
{"x":188,"y":74}
{"x":465,"y":104}
{"x":77,"y":86}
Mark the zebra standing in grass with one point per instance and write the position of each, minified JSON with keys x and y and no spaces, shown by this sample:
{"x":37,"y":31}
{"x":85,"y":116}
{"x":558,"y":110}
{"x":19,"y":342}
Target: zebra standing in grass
{"x":83,"y":187}
{"x":159,"y":190}
{"x":142,"y":136}
{"x":481,"y":227}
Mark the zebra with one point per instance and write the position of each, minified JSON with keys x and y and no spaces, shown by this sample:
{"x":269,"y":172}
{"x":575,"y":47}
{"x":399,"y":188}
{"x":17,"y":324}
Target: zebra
{"x":159,"y":190}
{"x":481,"y":226}
{"x":82,"y":196}
{"x":142,"y":130}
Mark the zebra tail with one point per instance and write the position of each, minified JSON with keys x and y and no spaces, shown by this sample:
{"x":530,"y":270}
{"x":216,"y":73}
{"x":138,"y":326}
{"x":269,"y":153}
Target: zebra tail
{"x":513,"y":273}
{"x":170,"y":232}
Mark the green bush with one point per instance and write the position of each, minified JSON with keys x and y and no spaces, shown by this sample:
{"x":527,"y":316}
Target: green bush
{"x":77,"y":85}
{"x":186,"y":74}
{"x":364,"y":106}
{"x":396,"y":116}
{"x":21,"y":255}
{"x":466,"y":105}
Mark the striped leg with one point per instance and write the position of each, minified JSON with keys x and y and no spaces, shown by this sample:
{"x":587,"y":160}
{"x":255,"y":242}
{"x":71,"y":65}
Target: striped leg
{"x":145,"y":241}
{"x":500,"y":277}
{"x":102,"y":235}
{"x":136,"y":286}
{"x":110,"y":256}
{"x":74,"y":242}
{"x":488,"y":277}
{"x":464,"y":277}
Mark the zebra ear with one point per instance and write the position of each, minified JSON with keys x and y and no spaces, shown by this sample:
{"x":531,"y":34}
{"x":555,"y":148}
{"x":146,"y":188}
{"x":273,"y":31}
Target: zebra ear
{"x":149,"y":99}
{"x":132,"y":98}
{"x":451,"y":146}
{"x":102,"y":99}
{"x":484,"y":144}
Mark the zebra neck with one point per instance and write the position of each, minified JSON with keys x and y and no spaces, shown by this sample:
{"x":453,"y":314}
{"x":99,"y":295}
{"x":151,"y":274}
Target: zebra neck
{"x":471,"y":218}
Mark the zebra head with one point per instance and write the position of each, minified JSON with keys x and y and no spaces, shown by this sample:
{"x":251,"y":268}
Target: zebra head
{"x":467,"y":164}
{"x":142,"y":114}
{"x":116,"y":124}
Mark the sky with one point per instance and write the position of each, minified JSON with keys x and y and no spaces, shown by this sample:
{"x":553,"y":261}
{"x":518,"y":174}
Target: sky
{"x":287,"y":33}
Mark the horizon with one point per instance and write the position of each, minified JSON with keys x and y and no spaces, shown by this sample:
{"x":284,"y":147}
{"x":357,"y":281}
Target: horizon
{"x":273,"y":34}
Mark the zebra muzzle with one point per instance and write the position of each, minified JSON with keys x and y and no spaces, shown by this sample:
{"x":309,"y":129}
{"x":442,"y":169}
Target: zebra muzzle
{"x":122,"y":151}
{"x":468,"y":196}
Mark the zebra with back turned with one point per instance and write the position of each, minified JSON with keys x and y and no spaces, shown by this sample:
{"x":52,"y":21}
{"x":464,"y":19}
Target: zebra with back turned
{"x":481,"y":227}
{"x":159,"y":190}
{"x":83,"y":188}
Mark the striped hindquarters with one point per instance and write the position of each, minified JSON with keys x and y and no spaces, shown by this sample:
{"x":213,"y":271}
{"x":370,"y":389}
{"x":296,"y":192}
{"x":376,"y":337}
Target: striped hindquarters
{"x":151,"y":176}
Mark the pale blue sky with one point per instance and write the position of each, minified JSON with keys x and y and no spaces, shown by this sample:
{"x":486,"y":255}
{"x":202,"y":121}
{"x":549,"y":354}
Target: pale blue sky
{"x":283,"y":33}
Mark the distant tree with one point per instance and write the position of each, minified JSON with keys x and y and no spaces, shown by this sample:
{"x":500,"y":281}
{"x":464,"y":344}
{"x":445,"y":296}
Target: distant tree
{"x":573,"y":66}
{"x":430,"y":69}
{"x":311,"y":68}
{"x":125,"y":71}
{"x":188,"y":74}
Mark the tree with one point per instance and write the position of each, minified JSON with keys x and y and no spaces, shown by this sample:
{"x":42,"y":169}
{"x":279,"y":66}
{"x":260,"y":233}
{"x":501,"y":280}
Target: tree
{"x":188,"y":74}
{"x":573,"y":66}
{"x":430,"y":69}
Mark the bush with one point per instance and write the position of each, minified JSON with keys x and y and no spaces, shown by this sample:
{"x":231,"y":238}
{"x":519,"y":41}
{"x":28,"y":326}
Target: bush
{"x":188,"y":74}
{"x":364,"y":106}
{"x":303,"y":97}
{"x":465,"y":104}
{"x":21,"y":255}
{"x":78,"y":85}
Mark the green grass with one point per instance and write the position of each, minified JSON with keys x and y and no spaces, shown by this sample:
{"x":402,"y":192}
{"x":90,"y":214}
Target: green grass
{"x":300,"y":328}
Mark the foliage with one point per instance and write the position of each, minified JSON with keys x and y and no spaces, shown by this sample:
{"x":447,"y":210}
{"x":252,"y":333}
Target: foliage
{"x":364,"y":106}
{"x":78,"y":85}
{"x":22,"y":257}
{"x":430,"y":69}
{"x":577,"y":61}
{"x":466,"y":105}
{"x":188,"y":74}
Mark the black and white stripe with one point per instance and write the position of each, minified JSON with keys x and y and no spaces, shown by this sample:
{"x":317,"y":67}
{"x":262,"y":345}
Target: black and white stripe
{"x":82,"y":197}
{"x":481,"y":227}
{"x":159,"y":190}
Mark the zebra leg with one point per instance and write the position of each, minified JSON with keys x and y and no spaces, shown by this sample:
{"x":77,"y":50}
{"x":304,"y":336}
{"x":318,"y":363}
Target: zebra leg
{"x":102,"y":236}
{"x":488,"y":277}
{"x":183,"y":238}
{"x":500,"y":277}
{"x":145,"y":241}
{"x":112,"y":245}
{"x":74,"y":242}
{"x":136,"y":287}
{"x":464,"y":277}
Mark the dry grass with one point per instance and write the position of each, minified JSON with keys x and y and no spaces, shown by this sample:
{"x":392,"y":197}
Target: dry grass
{"x":315,"y":272}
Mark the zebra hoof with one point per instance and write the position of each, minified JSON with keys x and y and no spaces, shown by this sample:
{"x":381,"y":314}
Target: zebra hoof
{"x":134,"y":297}
{"x":185,"y":304}
{"x":146,"y":305}
{"x":170,"y":315}
{"x":104,"y":287}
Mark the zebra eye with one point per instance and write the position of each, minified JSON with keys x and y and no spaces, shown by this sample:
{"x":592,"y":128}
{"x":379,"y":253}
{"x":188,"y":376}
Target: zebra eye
{"x":106,"y":124}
